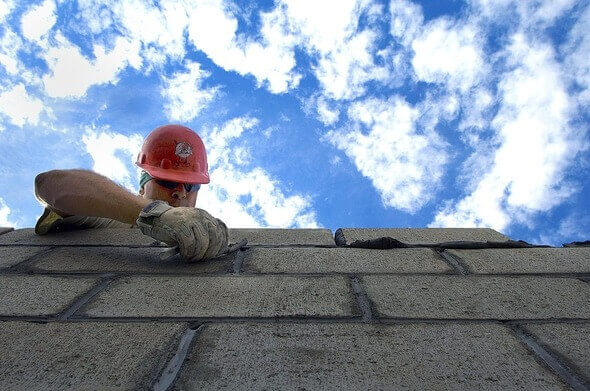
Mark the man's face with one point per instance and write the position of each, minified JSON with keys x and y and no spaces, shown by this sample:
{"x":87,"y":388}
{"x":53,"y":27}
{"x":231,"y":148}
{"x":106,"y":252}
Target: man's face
{"x":174,"y":197}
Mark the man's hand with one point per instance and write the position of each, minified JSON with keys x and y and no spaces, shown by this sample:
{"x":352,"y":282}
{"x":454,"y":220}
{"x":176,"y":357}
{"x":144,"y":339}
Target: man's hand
{"x":197,"y":234}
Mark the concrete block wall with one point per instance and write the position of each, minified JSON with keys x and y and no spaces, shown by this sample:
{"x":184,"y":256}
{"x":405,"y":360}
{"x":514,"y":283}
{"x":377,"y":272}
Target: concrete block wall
{"x":97,"y":309}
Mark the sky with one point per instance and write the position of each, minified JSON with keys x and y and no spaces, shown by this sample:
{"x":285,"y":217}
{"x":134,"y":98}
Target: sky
{"x":314,"y":113}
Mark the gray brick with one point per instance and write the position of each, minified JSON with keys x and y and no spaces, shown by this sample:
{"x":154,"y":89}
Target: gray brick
{"x":40,"y":295}
{"x":527,"y":260}
{"x":424,"y":235}
{"x":220,"y":296}
{"x":343,"y":260}
{"x":4,"y":230}
{"x":125,"y":259}
{"x":282,"y":236}
{"x":84,"y":356}
{"x":10,"y":256}
{"x":570,"y":340}
{"x":103,"y":236}
{"x":252,"y":356}
{"x":472,"y":297}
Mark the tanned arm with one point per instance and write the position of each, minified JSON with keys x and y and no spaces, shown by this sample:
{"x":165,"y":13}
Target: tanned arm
{"x":86,"y":193}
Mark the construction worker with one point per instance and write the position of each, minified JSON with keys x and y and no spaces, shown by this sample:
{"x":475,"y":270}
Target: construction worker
{"x":174,"y":164}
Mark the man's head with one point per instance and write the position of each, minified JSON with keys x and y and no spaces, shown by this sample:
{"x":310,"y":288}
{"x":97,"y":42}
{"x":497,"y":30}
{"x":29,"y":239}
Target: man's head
{"x":173,"y":160}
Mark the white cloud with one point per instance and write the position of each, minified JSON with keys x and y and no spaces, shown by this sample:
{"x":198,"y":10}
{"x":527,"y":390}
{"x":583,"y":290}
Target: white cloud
{"x":183,"y":93}
{"x":10,"y":43}
{"x":577,"y":50}
{"x":5,"y":221}
{"x":244,"y":197}
{"x":329,"y":30}
{"x":38,"y":20}
{"x":19,"y":106}
{"x":213,"y":29}
{"x":406,"y":21}
{"x":536,"y":144}
{"x":106,"y":147}
{"x":328,"y":115}
{"x":6,"y":7}
{"x":72,"y":74}
{"x":448,"y":54}
{"x":404,"y":163}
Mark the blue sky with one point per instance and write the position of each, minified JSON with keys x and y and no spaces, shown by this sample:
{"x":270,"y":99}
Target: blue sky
{"x":340,"y":113}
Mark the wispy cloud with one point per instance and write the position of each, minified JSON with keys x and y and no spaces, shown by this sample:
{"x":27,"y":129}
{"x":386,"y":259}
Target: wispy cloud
{"x":245,"y":196}
{"x":404,"y":161}
{"x":5,"y":211}
{"x":185,"y":97}
{"x":19,"y":106}
{"x":113,"y":155}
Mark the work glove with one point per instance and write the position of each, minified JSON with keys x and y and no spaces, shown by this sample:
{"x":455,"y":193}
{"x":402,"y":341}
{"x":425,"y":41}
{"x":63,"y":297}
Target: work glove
{"x":197,"y":234}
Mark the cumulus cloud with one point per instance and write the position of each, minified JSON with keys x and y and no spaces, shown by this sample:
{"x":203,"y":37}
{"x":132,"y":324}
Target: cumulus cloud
{"x":71,"y":73}
{"x":404,"y":162}
{"x":536,"y":144}
{"x":10,"y":43}
{"x":448,"y":54}
{"x":183,"y":94}
{"x":271,"y":59}
{"x":114,"y":155}
{"x":346,"y":57}
{"x":5,"y":211}
{"x":38,"y":20}
{"x":19,"y":106}
{"x":243,"y":196}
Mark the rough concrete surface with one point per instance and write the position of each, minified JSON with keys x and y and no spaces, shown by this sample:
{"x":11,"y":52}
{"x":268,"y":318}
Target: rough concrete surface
{"x":282,"y":236}
{"x":126,"y":260}
{"x":40,"y":295}
{"x":83,"y":356}
{"x":10,"y":256}
{"x":473,"y":297}
{"x":104,"y":237}
{"x":343,"y":260}
{"x":252,"y":356}
{"x":232,"y":296}
{"x":527,"y":260}
{"x":569,"y":340}
{"x":424,"y":235}
{"x":4,"y":230}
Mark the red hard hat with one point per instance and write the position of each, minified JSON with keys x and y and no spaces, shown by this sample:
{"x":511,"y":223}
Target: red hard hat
{"x":174,"y":153}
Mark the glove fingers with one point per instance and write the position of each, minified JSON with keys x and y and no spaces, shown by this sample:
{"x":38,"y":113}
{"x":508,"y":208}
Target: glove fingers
{"x":200,"y":243}
{"x":217,"y":238}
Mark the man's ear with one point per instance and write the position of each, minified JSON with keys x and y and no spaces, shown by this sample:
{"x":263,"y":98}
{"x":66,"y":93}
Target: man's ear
{"x":141,"y":191}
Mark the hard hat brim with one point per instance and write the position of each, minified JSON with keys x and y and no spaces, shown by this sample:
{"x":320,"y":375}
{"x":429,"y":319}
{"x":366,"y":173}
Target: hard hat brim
{"x":175,"y":175}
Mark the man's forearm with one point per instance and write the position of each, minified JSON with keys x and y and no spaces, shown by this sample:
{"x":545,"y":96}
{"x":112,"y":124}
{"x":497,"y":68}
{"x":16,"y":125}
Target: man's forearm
{"x":86,"y":193}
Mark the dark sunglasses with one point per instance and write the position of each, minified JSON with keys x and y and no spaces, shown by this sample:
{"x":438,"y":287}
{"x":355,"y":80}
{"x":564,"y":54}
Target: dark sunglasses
{"x":173,"y":185}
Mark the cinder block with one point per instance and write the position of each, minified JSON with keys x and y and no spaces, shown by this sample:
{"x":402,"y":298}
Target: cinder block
{"x":343,"y":260}
{"x":4,"y":230}
{"x":101,"y":236}
{"x":527,"y":260}
{"x":10,"y":256}
{"x":127,"y":260}
{"x":84,"y":356}
{"x":424,"y":235}
{"x":474,"y":297}
{"x":40,"y":295}
{"x":282,"y":236}
{"x":221,"y":296}
{"x":570,"y":340}
{"x":451,"y":356}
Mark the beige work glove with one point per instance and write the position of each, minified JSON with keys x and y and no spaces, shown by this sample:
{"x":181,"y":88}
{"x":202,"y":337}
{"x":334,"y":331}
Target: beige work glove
{"x":197,"y":234}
